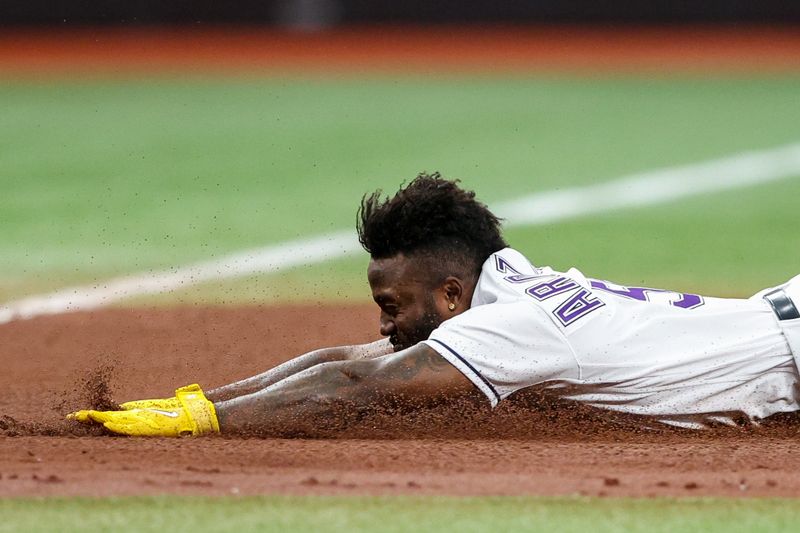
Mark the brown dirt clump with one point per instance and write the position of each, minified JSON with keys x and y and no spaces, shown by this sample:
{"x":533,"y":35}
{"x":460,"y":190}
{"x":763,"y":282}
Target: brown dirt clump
{"x":96,"y":389}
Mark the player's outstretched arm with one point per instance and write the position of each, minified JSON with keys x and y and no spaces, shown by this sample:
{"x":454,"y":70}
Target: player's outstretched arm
{"x":299,"y":364}
{"x":313,"y":402}
{"x":325,"y":397}
{"x":273,"y":375}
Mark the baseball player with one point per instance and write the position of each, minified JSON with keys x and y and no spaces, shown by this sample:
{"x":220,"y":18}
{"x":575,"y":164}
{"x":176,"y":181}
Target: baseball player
{"x":465,"y":317}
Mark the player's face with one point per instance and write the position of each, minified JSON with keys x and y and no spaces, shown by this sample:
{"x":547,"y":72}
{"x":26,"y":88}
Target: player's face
{"x":410,"y":309}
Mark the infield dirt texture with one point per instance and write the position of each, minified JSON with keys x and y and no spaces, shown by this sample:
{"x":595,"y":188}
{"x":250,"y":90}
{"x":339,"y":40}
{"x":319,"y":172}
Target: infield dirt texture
{"x":52,"y":365}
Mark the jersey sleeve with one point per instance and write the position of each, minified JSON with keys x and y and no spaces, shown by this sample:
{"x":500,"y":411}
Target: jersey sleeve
{"x":504,"y":347}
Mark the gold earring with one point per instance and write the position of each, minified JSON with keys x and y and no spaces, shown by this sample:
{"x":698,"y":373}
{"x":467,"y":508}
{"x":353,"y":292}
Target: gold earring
{"x":452,"y":306}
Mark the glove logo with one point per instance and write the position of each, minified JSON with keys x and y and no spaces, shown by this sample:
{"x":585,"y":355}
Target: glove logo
{"x":171,"y":414}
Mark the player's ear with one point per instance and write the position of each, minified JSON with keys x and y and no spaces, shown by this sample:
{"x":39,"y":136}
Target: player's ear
{"x":453,"y":290}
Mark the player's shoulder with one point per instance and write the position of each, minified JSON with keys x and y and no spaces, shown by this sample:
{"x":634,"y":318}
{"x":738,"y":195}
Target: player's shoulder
{"x":501,"y":275}
{"x":509,"y":261}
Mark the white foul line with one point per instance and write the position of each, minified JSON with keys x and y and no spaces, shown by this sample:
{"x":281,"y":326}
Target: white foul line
{"x":636,"y":190}
{"x":655,"y":186}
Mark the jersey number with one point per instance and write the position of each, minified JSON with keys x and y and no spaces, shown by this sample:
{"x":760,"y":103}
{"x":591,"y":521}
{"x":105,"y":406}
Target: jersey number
{"x":582,"y":302}
{"x":642,"y":294}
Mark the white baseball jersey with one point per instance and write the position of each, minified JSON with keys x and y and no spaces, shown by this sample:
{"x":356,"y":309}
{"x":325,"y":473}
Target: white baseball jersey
{"x":681,"y":358}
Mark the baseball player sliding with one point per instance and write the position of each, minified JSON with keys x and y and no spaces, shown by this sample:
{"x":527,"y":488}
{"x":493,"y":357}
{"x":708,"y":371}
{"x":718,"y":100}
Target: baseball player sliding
{"x":465,"y":317}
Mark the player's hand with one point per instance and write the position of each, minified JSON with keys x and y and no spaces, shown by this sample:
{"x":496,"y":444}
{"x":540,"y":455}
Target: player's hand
{"x":195,"y":416}
{"x":160,"y":403}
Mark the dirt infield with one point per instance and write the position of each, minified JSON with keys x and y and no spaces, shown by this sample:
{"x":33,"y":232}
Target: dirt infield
{"x":55,"y":364}
{"x":663,"y":51}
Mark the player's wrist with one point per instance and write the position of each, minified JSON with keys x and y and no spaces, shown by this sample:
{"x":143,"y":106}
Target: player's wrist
{"x":201,"y":412}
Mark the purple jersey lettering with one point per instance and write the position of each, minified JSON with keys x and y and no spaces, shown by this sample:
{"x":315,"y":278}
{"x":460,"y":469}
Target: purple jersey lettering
{"x":547,"y":289}
{"x":577,"y":306}
{"x":504,"y":267}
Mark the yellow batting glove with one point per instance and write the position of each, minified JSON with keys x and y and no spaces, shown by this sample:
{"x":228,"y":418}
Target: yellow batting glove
{"x":160,"y":403}
{"x":195,"y":416}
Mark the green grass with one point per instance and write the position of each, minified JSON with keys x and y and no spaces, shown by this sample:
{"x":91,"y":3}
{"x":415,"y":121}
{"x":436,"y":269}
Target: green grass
{"x":728,"y":244}
{"x":191,"y":514}
{"x":340,"y":280}
{"x":104,"y":178}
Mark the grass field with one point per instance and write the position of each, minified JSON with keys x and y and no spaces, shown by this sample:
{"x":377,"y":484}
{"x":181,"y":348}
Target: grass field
{"x":106,"y":178}
{"x":158,"y":514}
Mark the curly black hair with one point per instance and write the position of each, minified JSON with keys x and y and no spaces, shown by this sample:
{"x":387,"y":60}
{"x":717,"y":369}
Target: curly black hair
{"x":433,"y":220}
